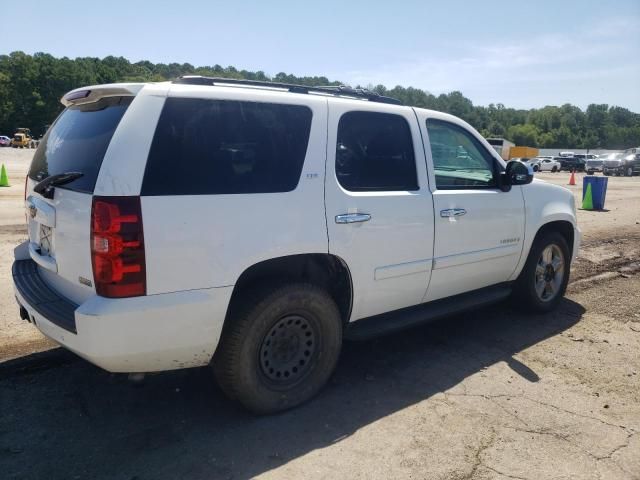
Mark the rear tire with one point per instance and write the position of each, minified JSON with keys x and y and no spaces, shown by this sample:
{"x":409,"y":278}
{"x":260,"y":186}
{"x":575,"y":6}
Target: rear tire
{"x":543,"y":280}
{"x":629,"y":172}
{"x":554,"y":169}
{"x":279,"y":347}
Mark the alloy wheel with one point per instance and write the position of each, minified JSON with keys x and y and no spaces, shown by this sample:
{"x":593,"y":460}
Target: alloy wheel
{"x":549,"y":273}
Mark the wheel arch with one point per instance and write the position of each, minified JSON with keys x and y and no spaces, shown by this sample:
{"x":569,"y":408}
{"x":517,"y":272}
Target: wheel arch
{"x":563,"y":224}
{"x":564,"y":227}
{"x":327,"y":271}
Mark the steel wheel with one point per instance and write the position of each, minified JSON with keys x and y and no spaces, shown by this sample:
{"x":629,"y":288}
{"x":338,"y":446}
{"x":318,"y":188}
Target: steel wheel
{"x":287,"y":350}
{"x":549,"y":273}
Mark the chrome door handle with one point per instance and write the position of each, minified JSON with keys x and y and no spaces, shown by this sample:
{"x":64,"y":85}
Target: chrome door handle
{"x":452,"y":212}
{"x":353,"y":218}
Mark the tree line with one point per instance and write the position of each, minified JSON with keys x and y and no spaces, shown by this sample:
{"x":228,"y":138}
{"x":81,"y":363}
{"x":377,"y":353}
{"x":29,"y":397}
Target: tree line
{"x":31,"y":87}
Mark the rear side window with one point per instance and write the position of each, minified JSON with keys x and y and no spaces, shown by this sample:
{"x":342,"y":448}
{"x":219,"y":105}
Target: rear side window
{"x":374,"y":152}
{"x":226,"y":147}
{"x":77,"y":142}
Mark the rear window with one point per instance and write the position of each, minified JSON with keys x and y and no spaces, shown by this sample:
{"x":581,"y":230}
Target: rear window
{"x":226,"y":147}
{"x":77,"y":142}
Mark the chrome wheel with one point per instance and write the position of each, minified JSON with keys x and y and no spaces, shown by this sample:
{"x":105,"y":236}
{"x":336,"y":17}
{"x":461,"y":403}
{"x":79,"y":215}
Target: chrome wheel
{"x":287,"y":350}
{"x":549,"y":273}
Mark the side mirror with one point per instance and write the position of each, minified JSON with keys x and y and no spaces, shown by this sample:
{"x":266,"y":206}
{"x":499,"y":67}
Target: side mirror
{"x":516,"y":173}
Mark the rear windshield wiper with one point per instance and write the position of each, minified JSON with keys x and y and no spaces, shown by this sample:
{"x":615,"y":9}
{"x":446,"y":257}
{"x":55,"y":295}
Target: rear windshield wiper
{"x":46,"y":186}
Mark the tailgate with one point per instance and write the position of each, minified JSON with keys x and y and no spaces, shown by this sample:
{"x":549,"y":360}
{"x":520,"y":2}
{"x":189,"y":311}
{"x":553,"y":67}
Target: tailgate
{"x":59,"y":214}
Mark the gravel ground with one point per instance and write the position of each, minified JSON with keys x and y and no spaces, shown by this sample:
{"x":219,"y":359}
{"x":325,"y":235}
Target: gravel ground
{"x":492,"y":394}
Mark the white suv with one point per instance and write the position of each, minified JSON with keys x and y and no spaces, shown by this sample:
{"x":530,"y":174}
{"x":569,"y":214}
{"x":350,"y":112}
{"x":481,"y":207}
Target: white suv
{"x":252,"y":226}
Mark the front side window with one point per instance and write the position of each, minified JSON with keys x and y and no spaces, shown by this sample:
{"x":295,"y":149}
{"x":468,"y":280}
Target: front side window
{"x":208,"y":147}
{"x":459,"y":160}
{"x":374,"y":152}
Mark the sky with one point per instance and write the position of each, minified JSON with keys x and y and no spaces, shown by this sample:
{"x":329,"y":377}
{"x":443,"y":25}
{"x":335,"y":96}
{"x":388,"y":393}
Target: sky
{"x":523,"y":54}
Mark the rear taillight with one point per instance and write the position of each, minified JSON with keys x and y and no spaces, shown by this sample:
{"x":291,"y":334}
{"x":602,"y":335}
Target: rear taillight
{"x":117,"y":247}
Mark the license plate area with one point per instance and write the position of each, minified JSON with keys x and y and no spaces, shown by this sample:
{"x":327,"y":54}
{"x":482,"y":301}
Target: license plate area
{"x":46,"y":240}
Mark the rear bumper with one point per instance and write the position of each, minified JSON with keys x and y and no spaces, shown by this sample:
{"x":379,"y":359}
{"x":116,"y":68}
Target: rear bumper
{"x":139,"y":334}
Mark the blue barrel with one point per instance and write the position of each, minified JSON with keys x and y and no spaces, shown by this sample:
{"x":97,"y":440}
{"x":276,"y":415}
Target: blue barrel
{"x":598,"y":190}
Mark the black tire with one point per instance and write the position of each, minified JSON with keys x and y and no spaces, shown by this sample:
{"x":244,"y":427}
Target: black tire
{"x":525,"y":294}
{"x":305,"y":352}
{"x":554,"y":169}
{"x":536,"y":168}
{"x":628,"y":172}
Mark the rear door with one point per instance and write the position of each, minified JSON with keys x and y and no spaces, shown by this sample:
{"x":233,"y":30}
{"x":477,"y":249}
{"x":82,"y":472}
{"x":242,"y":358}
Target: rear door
{"x":378,"y":204}
{"x":479,"y":229}
{"x":235,"y":177}
{"x":59,"y":223}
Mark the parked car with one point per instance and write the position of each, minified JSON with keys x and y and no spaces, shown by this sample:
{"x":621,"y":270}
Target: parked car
{"x":545,"y":165}
{"x":252,"y":226}
{"x":631,"y":165}
{"x":5,"y":141}
{"x":570,"y":164}
{"x":612,"y":164}
{"x":594,"y":165}
{"x":585,"y":156}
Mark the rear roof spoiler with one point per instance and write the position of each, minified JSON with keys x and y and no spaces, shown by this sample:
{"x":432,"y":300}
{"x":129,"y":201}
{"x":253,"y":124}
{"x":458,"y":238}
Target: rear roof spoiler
{"x":96,"y":92}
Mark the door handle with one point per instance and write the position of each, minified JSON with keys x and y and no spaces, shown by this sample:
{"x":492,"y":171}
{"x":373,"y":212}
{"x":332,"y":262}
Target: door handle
{"x":452,"y":212}
{"x":353,"y":218}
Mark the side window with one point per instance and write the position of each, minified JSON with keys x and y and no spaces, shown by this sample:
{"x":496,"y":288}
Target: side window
{"x":208,"y":147}
{"x":459,"y":160}
{"x":374,"y":152}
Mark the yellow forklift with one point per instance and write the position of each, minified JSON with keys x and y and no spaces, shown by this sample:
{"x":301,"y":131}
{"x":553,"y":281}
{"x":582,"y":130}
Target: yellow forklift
{"x":22,"y":138}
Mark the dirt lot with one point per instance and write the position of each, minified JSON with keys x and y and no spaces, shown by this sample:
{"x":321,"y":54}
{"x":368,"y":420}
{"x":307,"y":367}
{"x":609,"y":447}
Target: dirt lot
{"x":492,"y":394}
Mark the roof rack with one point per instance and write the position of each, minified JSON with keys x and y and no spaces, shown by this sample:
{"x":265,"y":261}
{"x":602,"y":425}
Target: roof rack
{"x":340,"y":90}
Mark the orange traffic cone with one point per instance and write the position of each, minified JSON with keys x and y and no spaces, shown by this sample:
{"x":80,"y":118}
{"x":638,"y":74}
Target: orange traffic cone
{"x":572,"y":180}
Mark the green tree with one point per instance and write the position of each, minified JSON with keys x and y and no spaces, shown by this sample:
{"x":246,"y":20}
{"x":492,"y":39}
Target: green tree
{"x":31,"y":87}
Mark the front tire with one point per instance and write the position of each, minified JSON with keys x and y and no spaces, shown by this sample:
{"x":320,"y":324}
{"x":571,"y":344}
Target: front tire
{"x":279,"y":348}
{"x":543,"y":280}
{"x":629,"y":172}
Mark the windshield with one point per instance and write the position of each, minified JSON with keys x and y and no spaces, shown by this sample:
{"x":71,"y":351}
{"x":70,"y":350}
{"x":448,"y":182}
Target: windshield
{"x":77,"y":142}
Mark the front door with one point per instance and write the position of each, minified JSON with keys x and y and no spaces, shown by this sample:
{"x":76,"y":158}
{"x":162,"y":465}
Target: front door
{"x":378,"y":204}
{"x":479,"y":229}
